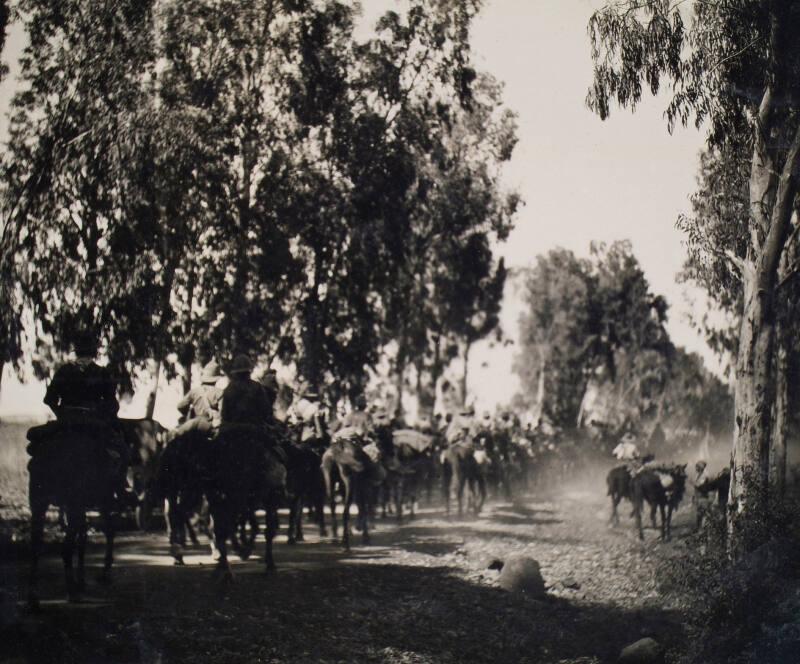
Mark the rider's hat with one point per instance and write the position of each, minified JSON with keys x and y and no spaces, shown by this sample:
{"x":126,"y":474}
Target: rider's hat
{"x":270,"y":379}
{"x":211,"y":373}
{"x":85,"y":343}
{"x":241,"y":365}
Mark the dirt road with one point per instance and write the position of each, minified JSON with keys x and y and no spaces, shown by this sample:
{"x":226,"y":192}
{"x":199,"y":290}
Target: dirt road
{"x":421,"y":592}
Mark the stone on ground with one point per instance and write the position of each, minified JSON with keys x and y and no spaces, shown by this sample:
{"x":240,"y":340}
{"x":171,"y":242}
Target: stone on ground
{"x":643,"y":651}
{"x":522,"y":574}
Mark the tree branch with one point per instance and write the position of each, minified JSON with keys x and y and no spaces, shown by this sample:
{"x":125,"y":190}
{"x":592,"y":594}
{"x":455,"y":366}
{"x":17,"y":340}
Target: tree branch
{"x":782,"y":210}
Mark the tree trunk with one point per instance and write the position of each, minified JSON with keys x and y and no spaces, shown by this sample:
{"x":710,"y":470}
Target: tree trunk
{"x":465,"y":375}
{"x":151,"y":398}
{"x":400,"y":370}
{"x":186,"y":380}
{"x":777,"y":451}
{"x":426,"y":390}
{"x":754,"y":397}
{"x":772,"y":189}
{"x":312,"y":365}
{"x":540,"y":389}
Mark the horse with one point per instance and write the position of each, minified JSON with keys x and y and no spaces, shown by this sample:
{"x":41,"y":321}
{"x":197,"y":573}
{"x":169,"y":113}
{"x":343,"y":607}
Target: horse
{"x":304,"y":482}
{"x":245,"y":474}
{"x":358,"y":474}
{"x":649,"y":485}
{"x":618,"y":481}
{"x":400,"y":462}
{"x":459,"y":469}
{"x":183,"y":469}
{"x":721,"y":484}
{"x":74,"y":471}
{"x":418,"y":471}
{"x":145,"y":439}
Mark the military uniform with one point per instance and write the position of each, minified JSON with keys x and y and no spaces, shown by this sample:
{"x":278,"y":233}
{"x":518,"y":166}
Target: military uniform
{"x":202,"y":403}
{"x":245,"y":402}
{"x":626,"y":450}
{"x":81,"y":390}
{"x":307,"y":413}
{"x":83,"y":397}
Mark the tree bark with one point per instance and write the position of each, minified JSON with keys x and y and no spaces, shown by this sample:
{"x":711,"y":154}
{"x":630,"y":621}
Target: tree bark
{"x":777,"y":451}
{"x":772,"y":193}
{"x":754,"y":399}
{"x":151,"y":398}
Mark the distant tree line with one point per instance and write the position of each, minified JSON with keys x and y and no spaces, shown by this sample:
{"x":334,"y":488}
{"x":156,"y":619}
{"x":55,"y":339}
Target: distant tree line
{"x":594,"y":349}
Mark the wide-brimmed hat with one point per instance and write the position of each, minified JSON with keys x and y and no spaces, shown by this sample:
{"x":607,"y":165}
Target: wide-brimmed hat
{"x":211,"y":373}
{"x":241,"y":365}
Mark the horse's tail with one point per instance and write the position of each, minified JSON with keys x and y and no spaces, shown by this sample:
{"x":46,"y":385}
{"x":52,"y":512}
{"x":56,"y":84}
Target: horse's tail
{"x":610,"y":482}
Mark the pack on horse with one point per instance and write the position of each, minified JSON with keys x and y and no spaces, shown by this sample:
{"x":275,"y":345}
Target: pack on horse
{"x":247,"y":472}
{"x":662,"y":488}
{"x":409,"y":468}
{"x":77,"y":463}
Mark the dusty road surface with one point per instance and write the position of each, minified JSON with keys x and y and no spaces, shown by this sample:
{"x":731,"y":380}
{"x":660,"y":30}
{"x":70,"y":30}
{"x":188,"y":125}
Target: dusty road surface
{"x":421,"y":592}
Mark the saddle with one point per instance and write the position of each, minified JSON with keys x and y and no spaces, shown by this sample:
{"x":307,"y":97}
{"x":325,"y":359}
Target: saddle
{"x":43,"y":439}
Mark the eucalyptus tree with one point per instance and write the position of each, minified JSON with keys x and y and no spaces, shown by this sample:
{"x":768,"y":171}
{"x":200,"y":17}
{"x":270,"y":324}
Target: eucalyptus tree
{"x":450,"y":283}
{"x":593,"y":325}
{"x":74,"y":222}
{"x":735,"y":69}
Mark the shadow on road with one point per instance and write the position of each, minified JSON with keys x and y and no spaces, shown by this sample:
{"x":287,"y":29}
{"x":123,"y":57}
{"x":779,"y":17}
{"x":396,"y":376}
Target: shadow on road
{"x":321,"y":606}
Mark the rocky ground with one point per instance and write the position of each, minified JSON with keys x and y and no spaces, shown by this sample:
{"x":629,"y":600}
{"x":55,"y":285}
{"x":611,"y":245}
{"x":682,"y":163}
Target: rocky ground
{"x":422,"y":592}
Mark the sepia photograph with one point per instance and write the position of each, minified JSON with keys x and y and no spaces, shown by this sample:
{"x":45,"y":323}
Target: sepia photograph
{"x":399,"y":331}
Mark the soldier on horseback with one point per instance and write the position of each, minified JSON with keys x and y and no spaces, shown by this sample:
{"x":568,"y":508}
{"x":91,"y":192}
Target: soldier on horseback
{"x":245,"y":401}
{"x":82,"y":395}
{"x":359,"y":420}
{"x":201,"y":405}
{"x":308,"y":415}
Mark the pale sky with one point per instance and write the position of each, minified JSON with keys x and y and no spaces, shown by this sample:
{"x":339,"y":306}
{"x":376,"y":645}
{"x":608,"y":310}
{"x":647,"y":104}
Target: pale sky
{"x":582,"y":179}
